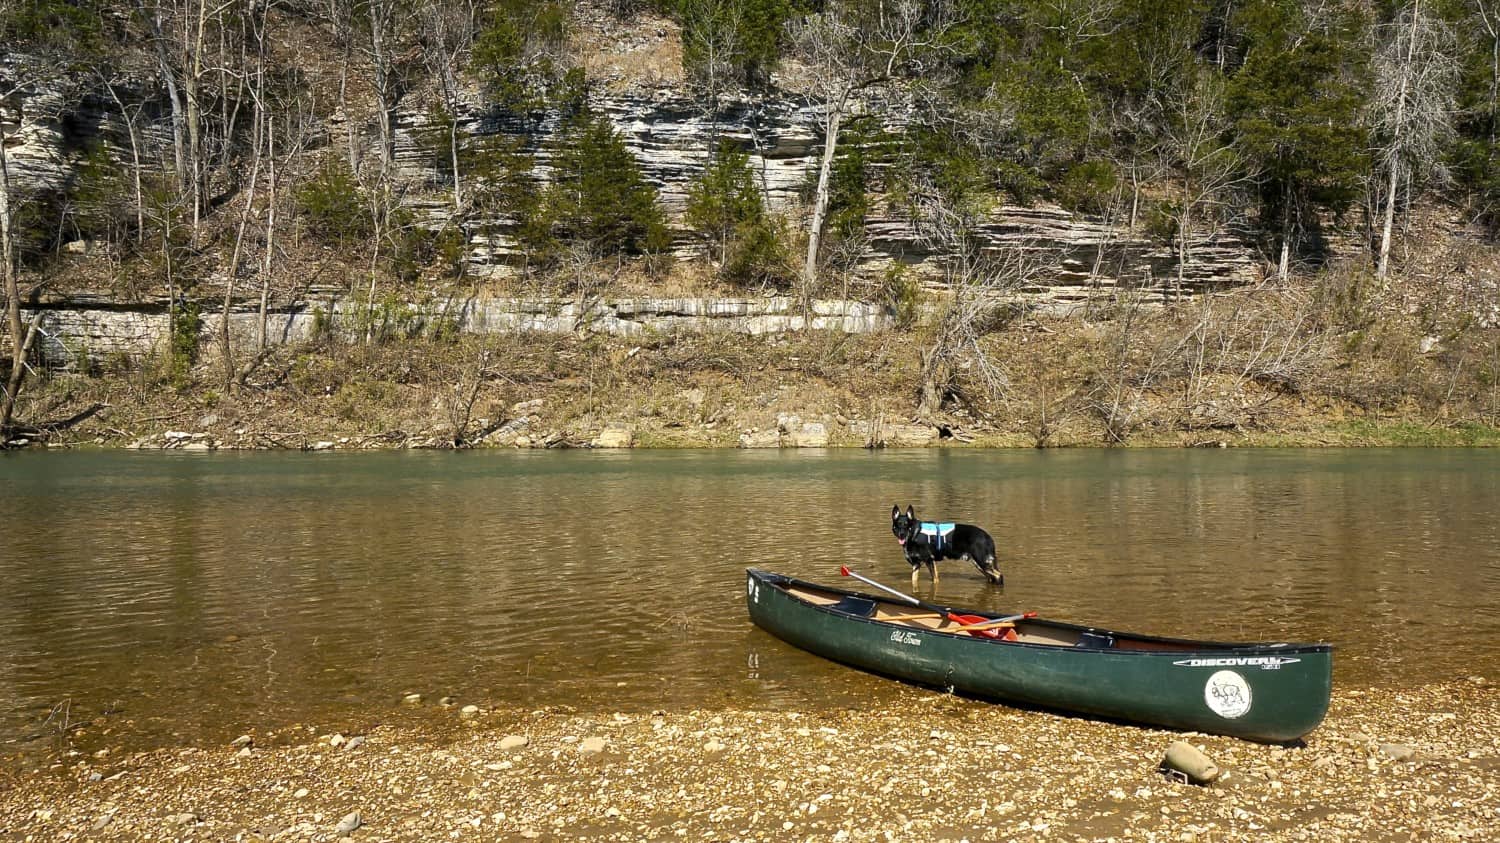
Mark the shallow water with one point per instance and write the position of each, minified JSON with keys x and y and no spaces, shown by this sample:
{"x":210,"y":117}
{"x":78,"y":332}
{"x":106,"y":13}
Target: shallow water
{"x":187,"y":597}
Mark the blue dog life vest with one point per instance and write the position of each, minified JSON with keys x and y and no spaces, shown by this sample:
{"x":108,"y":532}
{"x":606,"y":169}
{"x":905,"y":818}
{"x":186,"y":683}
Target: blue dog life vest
{"x":935,"y":532}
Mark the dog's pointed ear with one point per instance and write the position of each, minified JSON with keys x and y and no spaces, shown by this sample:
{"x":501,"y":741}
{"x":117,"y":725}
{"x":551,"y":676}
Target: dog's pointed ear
{"x":908,"y":512}
{"x":895,"y":511}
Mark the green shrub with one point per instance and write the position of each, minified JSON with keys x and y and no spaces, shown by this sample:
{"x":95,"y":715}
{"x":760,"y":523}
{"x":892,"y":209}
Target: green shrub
{"x":759,"y":255}
{"x":334,"y":204}
{"x":902,"y":294}
{"x":1088,"y":187}
{"x":724,"y":198}
{"x":599,"y":197}
{"x":182,"y":348}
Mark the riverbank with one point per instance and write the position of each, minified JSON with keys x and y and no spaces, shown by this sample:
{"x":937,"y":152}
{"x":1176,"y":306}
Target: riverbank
{"x":1158,"y":380}
{"x":1416,"y":764}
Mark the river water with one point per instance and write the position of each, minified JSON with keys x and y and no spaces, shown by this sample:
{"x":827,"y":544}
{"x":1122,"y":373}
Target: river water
{"x":186,"y":597}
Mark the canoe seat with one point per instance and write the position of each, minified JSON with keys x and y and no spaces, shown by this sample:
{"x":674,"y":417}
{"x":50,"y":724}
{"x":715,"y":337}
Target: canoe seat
{"x":1094,"y":640}
{"x":859,"y":607}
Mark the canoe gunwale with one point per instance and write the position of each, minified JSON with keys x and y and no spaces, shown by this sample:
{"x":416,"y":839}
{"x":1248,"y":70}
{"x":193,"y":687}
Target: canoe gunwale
{"x":1179,"y":647}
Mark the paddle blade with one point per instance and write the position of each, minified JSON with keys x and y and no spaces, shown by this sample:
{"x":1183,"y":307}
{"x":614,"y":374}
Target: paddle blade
{"x":844,"y":570}
{"x":970,"y":620}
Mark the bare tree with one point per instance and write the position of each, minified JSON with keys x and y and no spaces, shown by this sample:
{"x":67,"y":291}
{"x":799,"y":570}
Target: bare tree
{"x":982,"y":284}
{"x":383,"y":25}
{"x":847,"y":50}
{"x":1415,"y":75}
{"x":712,"y":51}
{"x":447,"y":32}
{"x":18,"y":333}
{"x":258,"y":136}
{"x":1194,"y":147}
{"x":23,"y":333}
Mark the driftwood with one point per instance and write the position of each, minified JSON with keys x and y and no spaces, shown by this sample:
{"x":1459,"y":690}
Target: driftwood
{"x":46,"y":429}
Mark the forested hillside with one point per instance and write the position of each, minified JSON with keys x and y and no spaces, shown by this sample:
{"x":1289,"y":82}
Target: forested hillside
{"x":212,"y":154}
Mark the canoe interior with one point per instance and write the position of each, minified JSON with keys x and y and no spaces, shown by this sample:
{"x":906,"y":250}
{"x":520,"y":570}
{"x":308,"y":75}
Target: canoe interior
{"x":1028,"y":631}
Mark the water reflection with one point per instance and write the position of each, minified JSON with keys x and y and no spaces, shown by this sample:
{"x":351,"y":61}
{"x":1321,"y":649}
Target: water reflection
{"x":198,"y":595}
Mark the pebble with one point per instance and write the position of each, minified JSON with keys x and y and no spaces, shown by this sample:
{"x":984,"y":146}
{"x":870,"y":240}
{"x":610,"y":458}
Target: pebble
{"x":590,"y":746}
{"x":245,"y":740}
{"x":348,"y":824}
{"x":513,"y":742}
{"x":354,"y":743}
{"x":416,"y":699}
{"x":1394,"y":751}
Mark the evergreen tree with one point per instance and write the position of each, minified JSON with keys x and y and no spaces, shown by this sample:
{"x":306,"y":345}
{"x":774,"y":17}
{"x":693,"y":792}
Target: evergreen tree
{"x":598,"y":195}
{"x":516,"y":54}
{"x":1296,"y":106}
{"x":724,"y":198}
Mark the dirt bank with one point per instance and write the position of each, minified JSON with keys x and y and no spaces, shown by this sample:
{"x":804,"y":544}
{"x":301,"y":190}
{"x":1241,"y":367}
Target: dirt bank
{"x":1419,"y":764}
{"x":1161,"y":380}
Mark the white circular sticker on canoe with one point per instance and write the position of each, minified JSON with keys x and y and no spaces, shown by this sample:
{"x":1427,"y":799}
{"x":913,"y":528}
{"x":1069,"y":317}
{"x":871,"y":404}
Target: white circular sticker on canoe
{"x":1227,"y":694}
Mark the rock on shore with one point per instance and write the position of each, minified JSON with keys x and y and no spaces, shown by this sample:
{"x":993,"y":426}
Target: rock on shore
{"x":934,"y":767}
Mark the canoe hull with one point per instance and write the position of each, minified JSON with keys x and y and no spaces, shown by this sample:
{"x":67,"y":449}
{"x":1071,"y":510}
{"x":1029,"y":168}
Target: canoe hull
{"x":1269,"y":693}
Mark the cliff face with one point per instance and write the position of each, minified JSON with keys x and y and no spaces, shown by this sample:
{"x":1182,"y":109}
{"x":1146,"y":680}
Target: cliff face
{"x":671,"y":133}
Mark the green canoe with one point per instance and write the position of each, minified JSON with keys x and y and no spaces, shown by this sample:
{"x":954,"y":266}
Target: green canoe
{"x":1262,"y":692}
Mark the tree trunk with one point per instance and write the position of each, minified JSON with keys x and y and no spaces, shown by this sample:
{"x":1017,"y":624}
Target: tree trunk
{"x":135,"y":162}
{"x":195,"y":117}
{"x":820,"y":199}
{"x":1382,"y":263}
{"x":265,"y":271}
{"x":169,"y":78}
{"x":1286,"y":233}
{"x":1184,"y":227}
{"x":379,"y":18}
{"x":458,"y":193}
{"x":12,"y":300}
{"x":225,"y":346}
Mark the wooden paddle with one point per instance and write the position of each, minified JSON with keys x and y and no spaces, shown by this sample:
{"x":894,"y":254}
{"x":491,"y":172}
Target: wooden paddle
{"x":1008,"y":622}
{"x":969,"y":622}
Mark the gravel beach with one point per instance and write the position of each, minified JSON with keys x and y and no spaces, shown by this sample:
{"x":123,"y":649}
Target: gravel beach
{"x":1410,"y":764}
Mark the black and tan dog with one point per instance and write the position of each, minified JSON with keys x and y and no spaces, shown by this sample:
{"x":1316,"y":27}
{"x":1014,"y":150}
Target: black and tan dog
{"x":925,"y":542}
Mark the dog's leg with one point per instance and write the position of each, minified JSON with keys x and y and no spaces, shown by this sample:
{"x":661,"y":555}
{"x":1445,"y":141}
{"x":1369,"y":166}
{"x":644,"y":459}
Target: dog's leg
{"x":916,"y":571}
{"x":932,"y":568}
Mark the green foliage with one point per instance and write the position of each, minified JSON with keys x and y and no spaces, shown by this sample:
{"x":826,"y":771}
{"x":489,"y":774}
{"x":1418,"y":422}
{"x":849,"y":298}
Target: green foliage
{"x":598,"y":196}
{"x":760,"y":255}
{"x":848,"y":199}
{"x":1297,"y":103}
{"x":334,"y":205}
{"x":1475,"y":156}
{"x":387,"y":317}
{"x":1088,"y":187}
{"x":514,"y":52}
{"x":745,"y":37}
{"x":182,"y":348}
{"x":724,"y":203}
{"x":71,"y":26}
{"x":903,"y":294}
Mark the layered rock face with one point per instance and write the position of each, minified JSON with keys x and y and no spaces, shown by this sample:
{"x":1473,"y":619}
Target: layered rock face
{"x":88,"y":331}
{"x":671,"y":134}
